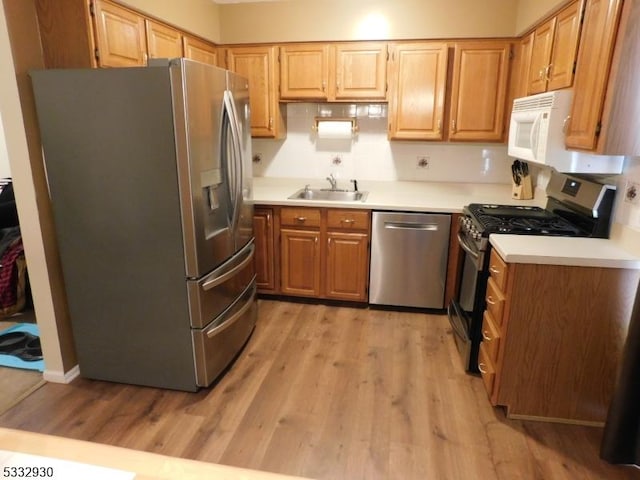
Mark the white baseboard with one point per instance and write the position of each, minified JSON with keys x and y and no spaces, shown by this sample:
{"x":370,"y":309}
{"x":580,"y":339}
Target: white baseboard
{"x":61,"y":377}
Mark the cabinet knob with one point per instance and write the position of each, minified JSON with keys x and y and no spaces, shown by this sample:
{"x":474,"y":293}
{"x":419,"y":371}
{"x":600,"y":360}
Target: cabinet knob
{"x":482,"y":368}
{"x":301,"y":219}
{"x":494,"y":270}
{"x":348,"y":220}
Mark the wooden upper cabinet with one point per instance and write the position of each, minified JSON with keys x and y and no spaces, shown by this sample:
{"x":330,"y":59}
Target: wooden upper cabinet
{"x":199,"y":50}
{"x":358,"y":71}
{"x":304,"y":71}
{"x":418,"y":76}
{"x":540,"y":57}
{"x":120,"y":36}
{"x":555,"y":45}
{"x":565,"y":47}
{"x":334,"y":72}
{"x":259,"y":65}
{"x":519,"y":84}
{"x":162,"y":40}
{"x":479,"y":90}
{"x":592,"y":73}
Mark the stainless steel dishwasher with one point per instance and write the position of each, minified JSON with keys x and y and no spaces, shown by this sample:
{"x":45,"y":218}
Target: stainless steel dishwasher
{"x":409,"y":259}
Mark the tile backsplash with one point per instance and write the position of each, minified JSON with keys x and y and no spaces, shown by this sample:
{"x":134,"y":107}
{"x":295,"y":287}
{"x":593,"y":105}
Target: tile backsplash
{"x":370,"y":156}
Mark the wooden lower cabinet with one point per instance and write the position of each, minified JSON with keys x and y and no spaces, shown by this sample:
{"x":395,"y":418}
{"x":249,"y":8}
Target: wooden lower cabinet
{"x":265,"y":252}
{"x":553,"y":354}
{"x":347,"y":256}
{"x":300,"y":262}
{"x":313,"y":252}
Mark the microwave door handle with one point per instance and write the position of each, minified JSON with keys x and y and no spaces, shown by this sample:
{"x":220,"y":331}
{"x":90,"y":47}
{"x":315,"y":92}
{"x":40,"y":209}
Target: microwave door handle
{"x":534,"y":135}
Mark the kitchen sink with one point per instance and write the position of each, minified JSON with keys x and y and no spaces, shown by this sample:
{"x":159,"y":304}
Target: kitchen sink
{"x":325,"y":194}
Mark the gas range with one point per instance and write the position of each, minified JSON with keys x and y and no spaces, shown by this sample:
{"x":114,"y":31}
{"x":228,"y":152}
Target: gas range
{"x":576,"y":207}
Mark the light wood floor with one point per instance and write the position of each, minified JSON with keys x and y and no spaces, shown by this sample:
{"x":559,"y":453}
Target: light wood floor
{"x":329,"y":393}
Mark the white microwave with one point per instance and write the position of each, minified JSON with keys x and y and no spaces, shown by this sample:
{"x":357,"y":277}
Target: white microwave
{"x":536,"y":134}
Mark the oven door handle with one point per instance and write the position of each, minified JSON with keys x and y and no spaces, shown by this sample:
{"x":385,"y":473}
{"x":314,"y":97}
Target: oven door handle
{"x":456,"y":323}
{"x":466,"y":248}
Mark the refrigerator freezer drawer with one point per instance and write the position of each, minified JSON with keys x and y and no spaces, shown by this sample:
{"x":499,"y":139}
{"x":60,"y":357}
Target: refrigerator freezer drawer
{"x":214,"y":293}
{"x":217,"y":345}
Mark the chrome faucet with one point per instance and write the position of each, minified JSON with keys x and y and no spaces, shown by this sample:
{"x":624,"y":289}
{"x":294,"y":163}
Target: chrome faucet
{"x":332,"y":181}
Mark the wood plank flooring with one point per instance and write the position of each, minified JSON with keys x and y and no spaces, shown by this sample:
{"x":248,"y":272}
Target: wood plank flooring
{"x":334,"y":393}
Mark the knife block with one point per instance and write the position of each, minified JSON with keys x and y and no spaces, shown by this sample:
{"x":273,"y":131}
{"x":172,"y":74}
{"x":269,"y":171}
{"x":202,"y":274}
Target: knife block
{"x":522,"y":191}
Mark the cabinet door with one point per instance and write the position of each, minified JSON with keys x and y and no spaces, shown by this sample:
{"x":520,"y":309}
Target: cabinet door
{"x":592,"y":72}
{"x":163,"y":41}
{"x":520,"y":68}
{"x":418,"y":74}
{"x":264,"y":254}
{"x":347,"y":266}
{"x":479,"y":90}
{"x":300,"y":262}
{"x":199,"y":50}
{"x":360,"y":71}
{"x":258,"y":65}
{"x":565,"y":47}
{"x":540,"y":56}
{"x":304,"y":71}
{"x":120,"y":36}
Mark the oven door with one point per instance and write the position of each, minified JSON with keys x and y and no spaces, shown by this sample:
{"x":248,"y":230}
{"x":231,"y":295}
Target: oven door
{"x":465,"y":311}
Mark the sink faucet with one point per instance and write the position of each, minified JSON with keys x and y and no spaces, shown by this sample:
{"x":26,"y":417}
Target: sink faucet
{"x":332,"y":181}
{"x":355,"y":185}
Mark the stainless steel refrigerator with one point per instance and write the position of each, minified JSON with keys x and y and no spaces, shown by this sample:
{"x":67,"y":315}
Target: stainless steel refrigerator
{"x":149,"y":173}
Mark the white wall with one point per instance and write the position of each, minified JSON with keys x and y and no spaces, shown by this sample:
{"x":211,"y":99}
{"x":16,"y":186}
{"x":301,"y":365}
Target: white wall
{"x":370,"y":156}
{"x":5,"y":169}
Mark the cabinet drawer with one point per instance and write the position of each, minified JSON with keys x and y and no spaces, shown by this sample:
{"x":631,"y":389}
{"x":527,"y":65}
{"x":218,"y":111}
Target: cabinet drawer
{"x":490,"y":336}
{"x":348,"y":219}
{"x":495,"y":301}
{"x":498,"y":270}
{"x":486,"y":368}
{"x":300,"y":217}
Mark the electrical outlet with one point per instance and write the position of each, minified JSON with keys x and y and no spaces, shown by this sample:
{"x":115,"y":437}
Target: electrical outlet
{"x":423,"y":161}
{"x":632,"y":193}
{"x":336,"y":159}
{"x":257,"y":158}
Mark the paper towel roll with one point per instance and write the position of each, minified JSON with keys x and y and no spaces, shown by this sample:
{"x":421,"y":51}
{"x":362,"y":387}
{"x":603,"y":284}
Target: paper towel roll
{"x":334,"y":129}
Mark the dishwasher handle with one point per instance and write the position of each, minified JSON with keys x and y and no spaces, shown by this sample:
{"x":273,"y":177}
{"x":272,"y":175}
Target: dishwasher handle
{"x":429,"y":227}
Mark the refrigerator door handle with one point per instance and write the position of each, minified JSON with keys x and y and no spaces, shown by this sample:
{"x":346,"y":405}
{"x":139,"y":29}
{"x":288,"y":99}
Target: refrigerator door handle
{"x":235,"y":163}
{"x":214,"y":282}
{"x":234,"y":318}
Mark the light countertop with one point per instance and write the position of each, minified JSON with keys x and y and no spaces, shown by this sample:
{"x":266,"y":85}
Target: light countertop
{"x":444,"y":197}
{"x":581,"y":252}
{"x":438,"y":197}
{"x":75,"y":459}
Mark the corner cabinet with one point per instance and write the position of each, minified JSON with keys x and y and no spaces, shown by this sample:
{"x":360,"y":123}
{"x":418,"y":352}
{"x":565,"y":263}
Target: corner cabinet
{"x":418,"y":78}
{"x":263,"y":227}
{"x":259,"y":65}
{"x":479,"y":90}
{"x":555,"y":45}
{"x":347,"y":71}
{"x":546,"y":355}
